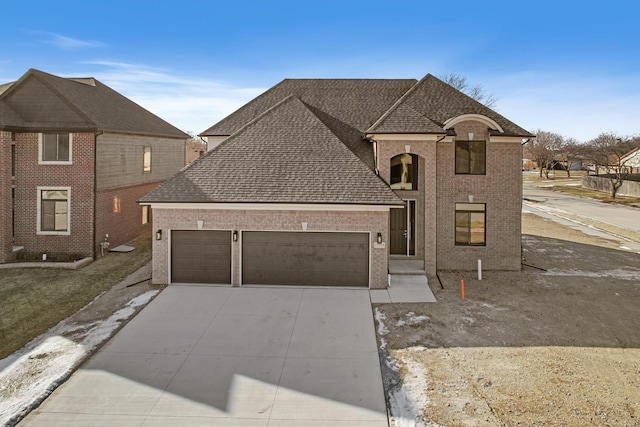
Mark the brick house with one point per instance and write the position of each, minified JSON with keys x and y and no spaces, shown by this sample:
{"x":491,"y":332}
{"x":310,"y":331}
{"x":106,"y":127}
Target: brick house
{"x":75,"y":156}
{"x":322,"y":182}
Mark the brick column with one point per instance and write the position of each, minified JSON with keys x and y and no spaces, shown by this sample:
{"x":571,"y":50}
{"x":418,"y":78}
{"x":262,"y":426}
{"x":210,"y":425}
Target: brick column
{"x":6,"y":212}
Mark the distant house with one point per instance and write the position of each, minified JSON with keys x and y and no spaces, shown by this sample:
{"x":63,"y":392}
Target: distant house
{"x":631,"y":160}
{"x":323,"y":181}
{"x":75,"y":156}
{"x":194,"y":148}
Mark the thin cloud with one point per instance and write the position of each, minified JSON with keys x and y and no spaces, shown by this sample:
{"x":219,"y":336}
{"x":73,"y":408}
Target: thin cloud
{"x":188,"y":102}
{"x":69,"y":43}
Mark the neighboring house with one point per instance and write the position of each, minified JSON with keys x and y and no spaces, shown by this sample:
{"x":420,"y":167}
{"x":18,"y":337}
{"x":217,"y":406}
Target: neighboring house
{"x":631,"y":160}
{"x":321,"y":182}
{"x":75,"y":156}
{"x":194,"y":148}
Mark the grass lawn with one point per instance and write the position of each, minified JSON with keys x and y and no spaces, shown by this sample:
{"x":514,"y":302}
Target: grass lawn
{"x":598,"y":195}
{"x":34,"y":299}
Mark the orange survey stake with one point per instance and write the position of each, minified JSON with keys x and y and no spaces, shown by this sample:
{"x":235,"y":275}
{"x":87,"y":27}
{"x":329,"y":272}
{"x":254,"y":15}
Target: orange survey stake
{"x":462,"y":288}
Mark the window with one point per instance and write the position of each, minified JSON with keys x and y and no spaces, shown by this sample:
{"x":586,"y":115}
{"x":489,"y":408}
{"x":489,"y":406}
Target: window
{"x":470,"y":224}
{"x":53,"y":210}
{"x":146,"y":159}
{"x":146,"y":211}
{"x":55,"y":148}
{"x":404,"y":172}
{"x":470,"y":157}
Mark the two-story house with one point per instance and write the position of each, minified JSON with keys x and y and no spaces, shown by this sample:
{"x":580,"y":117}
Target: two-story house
{"x":75,"y":156}
{"x":323,"y":181}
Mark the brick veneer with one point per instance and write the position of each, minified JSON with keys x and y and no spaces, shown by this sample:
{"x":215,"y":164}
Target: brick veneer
{"x":500,"y":189}
{"x":439,"y":188}
{"x":271,"y":220}
{"x":119,"y":215}
{"x":78,"y":176}
{"x":6,"y":239}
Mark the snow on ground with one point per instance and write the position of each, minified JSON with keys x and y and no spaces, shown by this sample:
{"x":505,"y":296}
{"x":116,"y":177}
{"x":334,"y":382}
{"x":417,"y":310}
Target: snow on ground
{"x":407,"y":398}
{"x":30,"y":374}
{"x":618,"y":273}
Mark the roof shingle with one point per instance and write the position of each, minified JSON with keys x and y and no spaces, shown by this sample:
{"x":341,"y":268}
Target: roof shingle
{"x":285,"y":155}
{"x":96,"y":105}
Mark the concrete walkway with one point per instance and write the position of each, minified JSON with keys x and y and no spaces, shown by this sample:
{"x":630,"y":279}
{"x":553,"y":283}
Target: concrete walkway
{"x":219,"y":356}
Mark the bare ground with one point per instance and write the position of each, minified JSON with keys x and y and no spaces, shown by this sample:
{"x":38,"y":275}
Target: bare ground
{"x":557,"y":343}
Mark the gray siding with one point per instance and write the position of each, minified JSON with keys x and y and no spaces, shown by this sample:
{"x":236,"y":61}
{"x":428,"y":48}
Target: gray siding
{"x":119,"y":159}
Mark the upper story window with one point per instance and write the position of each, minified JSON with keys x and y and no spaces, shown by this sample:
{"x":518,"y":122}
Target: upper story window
{"x":55,"y":148}
{"x":470,"y":224}
{"x":146,"y":159}
{"x":53,"y":210}
{"x":471,"y":157}
{"x":404,"y":172}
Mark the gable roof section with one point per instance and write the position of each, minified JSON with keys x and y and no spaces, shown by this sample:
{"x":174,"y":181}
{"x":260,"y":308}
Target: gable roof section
{"x":346,"y":106}
{"x":285,"y":155}
{"x":45,"y":101}
{"x":431,"y":102}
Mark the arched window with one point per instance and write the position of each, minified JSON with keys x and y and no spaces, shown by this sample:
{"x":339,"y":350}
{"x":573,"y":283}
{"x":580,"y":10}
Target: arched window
{"x":404,"y":172}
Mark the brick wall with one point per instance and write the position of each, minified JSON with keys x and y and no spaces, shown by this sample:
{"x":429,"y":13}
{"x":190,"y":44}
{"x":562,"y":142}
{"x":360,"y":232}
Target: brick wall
{"x":425,"y":196}
{"x":272,"y":220}
{"x":6,"y":239}
{"x":500,"y":189}
{"x":119,"y":215}
{"x":78,"y":176}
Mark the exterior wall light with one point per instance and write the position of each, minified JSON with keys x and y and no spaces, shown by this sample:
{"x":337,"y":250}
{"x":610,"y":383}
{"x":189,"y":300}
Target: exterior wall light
{"x":159,"y":235}
{"x":235,"y":236}
{"x":379,"y":238}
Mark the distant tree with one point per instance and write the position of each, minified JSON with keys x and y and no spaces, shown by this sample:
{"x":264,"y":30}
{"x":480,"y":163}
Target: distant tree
{"x":570,"y":151}
{"x":476,"y":92}
{"x":607,"y":151}
{"x":545,"y":149}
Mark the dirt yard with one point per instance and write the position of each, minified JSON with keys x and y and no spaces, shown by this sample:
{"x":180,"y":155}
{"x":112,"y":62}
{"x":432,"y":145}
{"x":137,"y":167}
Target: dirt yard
{"x":555,"y":344}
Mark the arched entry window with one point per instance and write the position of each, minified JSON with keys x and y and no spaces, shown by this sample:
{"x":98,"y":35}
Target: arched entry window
{"x":404,"y":172}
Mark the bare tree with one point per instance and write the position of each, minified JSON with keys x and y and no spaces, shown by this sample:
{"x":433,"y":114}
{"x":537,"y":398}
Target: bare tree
{"x":545,"y":149}
{"x":607,"y":151}
{"x":570,"y":151}
{"x":476,"y":92}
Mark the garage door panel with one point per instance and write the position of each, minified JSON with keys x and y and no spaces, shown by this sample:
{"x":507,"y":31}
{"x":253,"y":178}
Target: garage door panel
{"x":201,"y":256}
{"x":305,"y":258}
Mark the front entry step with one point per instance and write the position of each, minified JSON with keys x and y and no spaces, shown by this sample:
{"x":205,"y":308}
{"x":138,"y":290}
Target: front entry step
{"x":406,"y":267}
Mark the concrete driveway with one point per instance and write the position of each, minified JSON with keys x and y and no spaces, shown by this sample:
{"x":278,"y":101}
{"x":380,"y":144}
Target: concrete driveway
{"x":220,"y":356}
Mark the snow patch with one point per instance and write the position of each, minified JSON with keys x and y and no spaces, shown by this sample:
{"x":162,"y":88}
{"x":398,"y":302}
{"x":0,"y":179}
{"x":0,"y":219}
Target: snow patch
{"x":33,"y":372}
{"x":380,"y":317}
{"x":407,"y":402}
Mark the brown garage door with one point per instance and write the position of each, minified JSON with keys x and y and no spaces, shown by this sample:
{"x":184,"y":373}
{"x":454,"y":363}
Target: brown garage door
{"x":201,"y":256}
{"x":298,"y":258}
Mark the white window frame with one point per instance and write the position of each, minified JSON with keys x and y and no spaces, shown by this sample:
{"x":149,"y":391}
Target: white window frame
{"x":146,"y":214}
{"x":54,"y":162}
{"x":146,"y":168}
{"x":39,"y":215}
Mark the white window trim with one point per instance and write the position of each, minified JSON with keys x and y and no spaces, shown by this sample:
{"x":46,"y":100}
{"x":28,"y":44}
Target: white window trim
{"x":46,"y":162}
{"x":144,"y":165}
{"x":39,"y":218}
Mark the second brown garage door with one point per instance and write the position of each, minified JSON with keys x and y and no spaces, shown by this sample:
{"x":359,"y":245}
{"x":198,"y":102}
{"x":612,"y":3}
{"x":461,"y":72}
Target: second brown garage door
{"x":201,"y":256}
{"x":305,"y":258}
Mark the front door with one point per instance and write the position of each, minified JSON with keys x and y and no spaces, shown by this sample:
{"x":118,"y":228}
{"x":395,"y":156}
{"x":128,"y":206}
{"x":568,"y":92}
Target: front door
{"x":398,"y":231}
{"x":402,"y":230}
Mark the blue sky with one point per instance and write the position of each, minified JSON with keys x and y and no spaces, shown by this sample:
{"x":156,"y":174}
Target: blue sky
{"x":566,"y":67}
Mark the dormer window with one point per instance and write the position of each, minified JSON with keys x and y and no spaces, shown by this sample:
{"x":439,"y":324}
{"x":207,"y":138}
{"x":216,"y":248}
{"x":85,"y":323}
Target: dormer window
{"x":404,"y":172}
{"x":55,"y":148}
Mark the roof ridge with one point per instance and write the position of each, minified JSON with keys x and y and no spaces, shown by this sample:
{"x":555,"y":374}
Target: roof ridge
{"x":396,"y":104}
{"x":257,"y":118}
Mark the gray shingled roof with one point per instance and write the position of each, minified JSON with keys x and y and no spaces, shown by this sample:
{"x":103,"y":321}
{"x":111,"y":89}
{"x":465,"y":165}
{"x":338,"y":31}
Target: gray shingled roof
{"x":286,"y":155}
{"x":102,"y":108}
{"x":435,"y":102}
{"x":346,"y":106}
{"x":8,"y":117}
